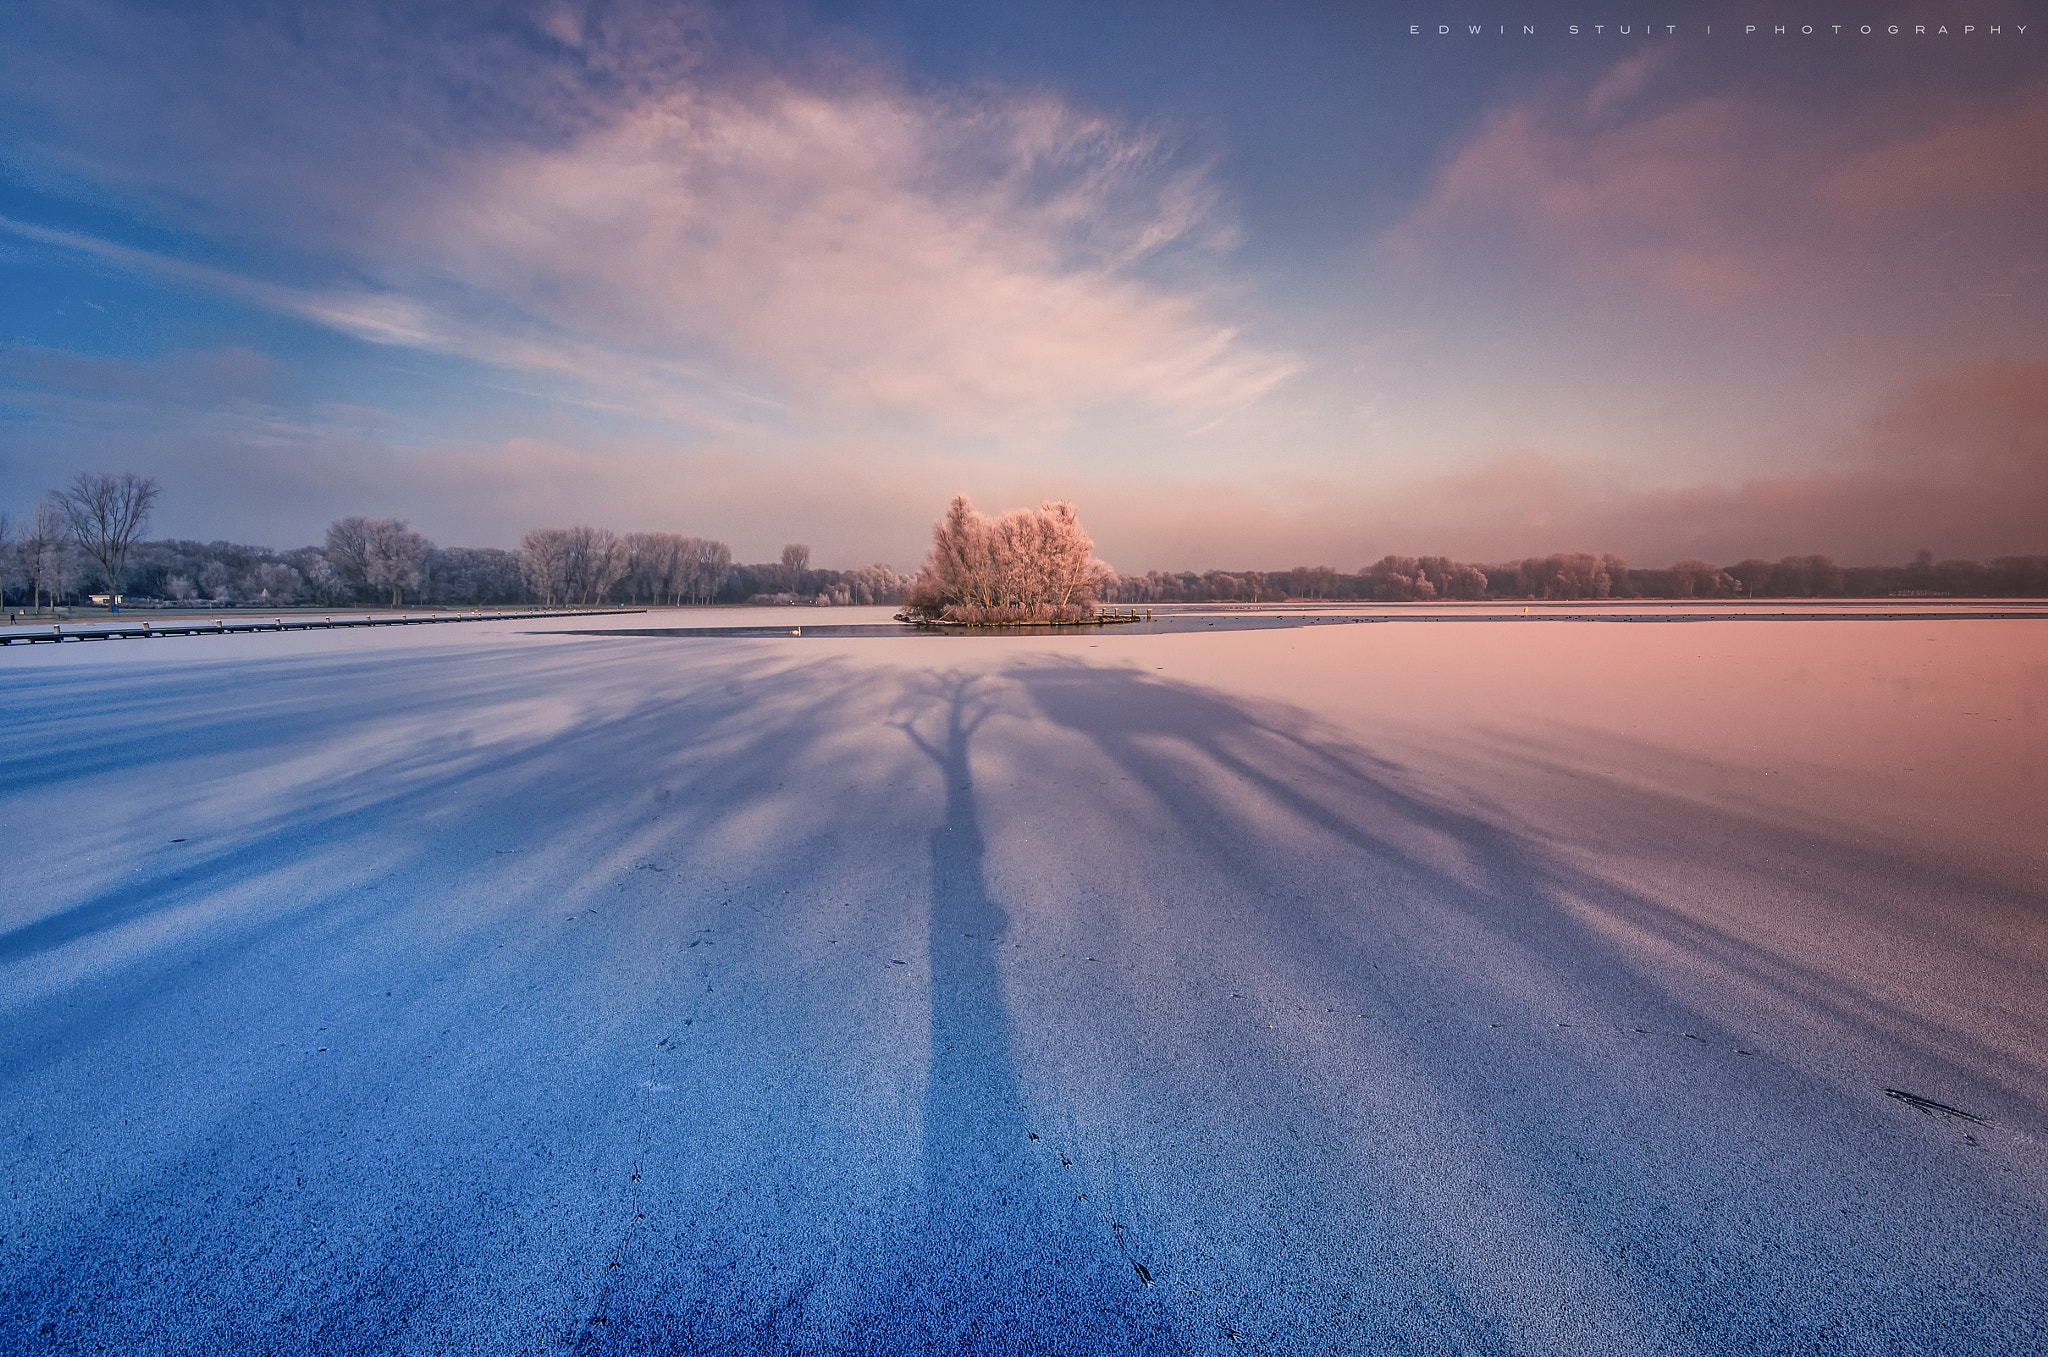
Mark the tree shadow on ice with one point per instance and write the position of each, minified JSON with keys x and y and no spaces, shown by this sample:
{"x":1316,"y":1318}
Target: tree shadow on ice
{"x":1500,"y":872}
{"x":343,"y":855}
{"x":407,"y":865}
{"x":984,"y":1245}
{"x":1475,"y":947}
{"x":996,"y":1249}
{"x":1003,"y":1256}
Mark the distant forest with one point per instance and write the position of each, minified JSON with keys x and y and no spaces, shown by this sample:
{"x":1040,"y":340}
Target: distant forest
{"x":382,"y":561}
{"x":1582,"y":575}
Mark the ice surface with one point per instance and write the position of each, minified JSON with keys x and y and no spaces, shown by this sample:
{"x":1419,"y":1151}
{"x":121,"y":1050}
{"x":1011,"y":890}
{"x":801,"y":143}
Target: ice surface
{"x":1455,"y":989}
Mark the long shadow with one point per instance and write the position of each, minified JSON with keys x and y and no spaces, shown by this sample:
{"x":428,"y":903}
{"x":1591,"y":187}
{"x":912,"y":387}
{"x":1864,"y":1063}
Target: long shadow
{"x":1003,"y":1255}
{"x":994,"y":1247}
{"x":1519,"y":881}
{"x":545,"y":795}
{"x":985,"y":1247}
{"x":355,"y":796}
{"x":729,"y":742}
{"x":1517,"y":895}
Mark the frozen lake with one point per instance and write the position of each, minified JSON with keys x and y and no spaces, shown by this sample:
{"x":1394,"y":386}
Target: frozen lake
{"x":1328,"y":989}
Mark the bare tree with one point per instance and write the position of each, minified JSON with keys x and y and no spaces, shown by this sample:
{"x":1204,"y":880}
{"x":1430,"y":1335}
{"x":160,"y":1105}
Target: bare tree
{"x":46,"y":554}
{"x":544,"y":562}
{"x":682,"y":569}
{"x":106,"y":514}
{"x":348,"y":549}
{"x":578,"y":565}
{"x":796,"y":559}
{"x":650,"y":564}
{"x":596,"y":561}
{"x":710,"y":571}
{"x":585,"y":565}
{"x":397,"y":554}
{"x":1564,"y":575}
{"x":377,"y":554}
{"x":661,"y":567}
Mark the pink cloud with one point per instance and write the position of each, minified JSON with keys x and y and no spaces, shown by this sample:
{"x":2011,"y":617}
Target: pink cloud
{"x":623,"y":205}
{"x":1721,"y":199}
{"x":866,"y":251}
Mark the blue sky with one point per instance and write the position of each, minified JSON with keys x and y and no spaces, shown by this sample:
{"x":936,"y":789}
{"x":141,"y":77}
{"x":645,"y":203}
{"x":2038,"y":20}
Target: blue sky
{"x":1255,"y":285}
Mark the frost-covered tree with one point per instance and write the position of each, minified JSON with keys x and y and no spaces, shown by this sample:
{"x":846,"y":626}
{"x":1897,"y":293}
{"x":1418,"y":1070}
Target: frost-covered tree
{"x":216,"y":581}
{"x":276,"y":582}
{"x":396,"y":556}
{"x":1423,"y":578}
{"x":711,"y":569}
{"x":872,"y":584}
{"x":327,"y":583}
{"x":544,"y":562}
{"x":596,"y":561}
{"x":45,"y":555}
{"x":1027,"y":566}
{"x":652,"y":559}
{"x":572,"y":565}
{"x":665,"y":567}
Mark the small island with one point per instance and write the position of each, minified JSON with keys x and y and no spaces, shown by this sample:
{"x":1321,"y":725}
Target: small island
{"x":1030,"y":567}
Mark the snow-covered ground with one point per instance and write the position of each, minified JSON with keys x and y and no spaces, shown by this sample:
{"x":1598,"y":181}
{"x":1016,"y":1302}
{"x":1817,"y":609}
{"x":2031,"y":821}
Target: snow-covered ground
{"x":1462,"y":989}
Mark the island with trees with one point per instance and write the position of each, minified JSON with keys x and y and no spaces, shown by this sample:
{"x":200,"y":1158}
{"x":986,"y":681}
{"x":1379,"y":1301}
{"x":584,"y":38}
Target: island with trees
{"x":1027,"y":567}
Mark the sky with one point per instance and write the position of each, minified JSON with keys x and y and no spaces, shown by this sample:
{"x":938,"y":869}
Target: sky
{"x":1255,"y":285}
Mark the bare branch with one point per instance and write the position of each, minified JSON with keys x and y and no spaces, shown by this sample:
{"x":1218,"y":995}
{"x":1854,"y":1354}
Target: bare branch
{"x":105,"y":516}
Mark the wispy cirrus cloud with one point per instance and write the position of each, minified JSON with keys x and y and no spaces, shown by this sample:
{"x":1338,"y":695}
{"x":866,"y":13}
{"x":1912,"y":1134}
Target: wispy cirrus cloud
{"x":971,"y":263}
{"x":712,"y":243}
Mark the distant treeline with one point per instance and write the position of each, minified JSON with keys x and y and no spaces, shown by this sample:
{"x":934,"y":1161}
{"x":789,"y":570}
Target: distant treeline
{"x":1582,"y":575}
{"x":383,"y":561}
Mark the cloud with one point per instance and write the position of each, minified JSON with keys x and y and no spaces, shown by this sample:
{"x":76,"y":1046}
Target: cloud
{"x":663,"y":228}
{"x":969,"y":264}
{"x":1721,"y":199}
